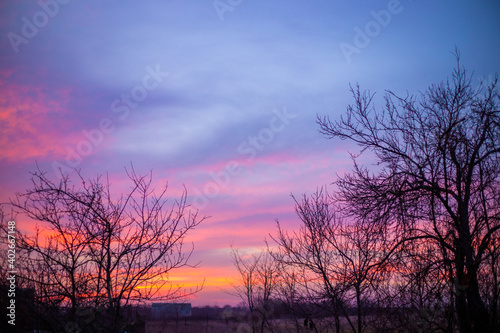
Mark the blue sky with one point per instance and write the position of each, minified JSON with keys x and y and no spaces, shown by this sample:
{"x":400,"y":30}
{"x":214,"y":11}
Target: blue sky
{"x":192,"y":93}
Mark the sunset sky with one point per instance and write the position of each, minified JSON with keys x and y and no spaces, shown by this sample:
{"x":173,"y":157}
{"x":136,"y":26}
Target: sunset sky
{"x":219,"y":96}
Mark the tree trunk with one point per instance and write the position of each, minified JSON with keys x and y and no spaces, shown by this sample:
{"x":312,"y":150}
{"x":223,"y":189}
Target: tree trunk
{"x":479,"y":316}
{"x":358,"y":303}
{"x":473,"y":316}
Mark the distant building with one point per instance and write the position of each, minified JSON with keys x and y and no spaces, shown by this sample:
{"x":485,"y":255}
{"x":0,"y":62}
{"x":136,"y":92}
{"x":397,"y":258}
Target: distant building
{"x":161,"y":311}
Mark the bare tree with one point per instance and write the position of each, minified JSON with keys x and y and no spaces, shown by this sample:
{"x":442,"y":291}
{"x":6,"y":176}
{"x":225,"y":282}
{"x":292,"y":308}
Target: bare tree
{"x":96,"y":255}
{"x":437,"y":179}
{"x":259,"y":277}
{"x":311,"y":250}
{"x":421,"y":290}
{"x":301,"y":294}
{"x":292,"y":293}
{"x":362,"y":248}
{"x":489,"y":275}
{"x":347,"y":257}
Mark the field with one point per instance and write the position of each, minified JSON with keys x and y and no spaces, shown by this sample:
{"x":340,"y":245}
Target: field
{"x":217,"y":326}
{"x":220,"y":326}
{"x":211,"y":326}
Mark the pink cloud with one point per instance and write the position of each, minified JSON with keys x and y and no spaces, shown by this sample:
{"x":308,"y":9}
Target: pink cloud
{"x":31,"y":121}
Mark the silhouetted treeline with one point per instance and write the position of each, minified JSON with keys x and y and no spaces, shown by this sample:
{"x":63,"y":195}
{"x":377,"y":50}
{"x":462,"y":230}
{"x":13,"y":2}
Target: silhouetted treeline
{"x":93,"y":254}
{"x":409,"y":243}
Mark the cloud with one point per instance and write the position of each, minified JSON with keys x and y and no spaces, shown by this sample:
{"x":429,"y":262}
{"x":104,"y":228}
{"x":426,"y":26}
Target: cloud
{"x":26,"y":109}
{"x":225,"y":79}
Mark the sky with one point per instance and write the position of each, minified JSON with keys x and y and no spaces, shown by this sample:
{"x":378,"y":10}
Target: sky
{"x":218,"y":96}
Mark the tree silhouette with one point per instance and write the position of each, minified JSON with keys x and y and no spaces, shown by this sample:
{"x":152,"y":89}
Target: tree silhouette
{"x":346,"y":257}
{"x":258,"y":278}
{"x":437,"y":178}
{"x":95,"y":255}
